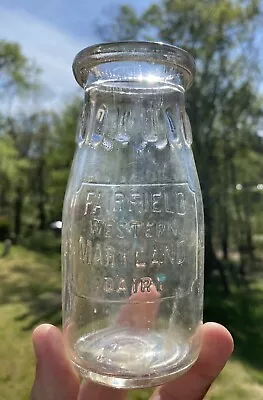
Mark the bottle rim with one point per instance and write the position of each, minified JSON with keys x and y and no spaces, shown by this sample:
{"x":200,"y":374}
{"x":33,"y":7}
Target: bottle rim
{"x":152,"y":52}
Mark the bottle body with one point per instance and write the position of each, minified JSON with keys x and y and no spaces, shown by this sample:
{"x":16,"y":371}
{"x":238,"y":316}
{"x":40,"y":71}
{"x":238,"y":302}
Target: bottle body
{"x":132,"y":241}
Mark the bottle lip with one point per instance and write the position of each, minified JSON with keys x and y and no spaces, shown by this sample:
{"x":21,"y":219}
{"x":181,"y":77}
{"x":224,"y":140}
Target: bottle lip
{"x":153,"y":52}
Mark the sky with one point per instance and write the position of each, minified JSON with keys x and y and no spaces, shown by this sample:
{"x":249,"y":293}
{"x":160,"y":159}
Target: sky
{"x":51,"y":32}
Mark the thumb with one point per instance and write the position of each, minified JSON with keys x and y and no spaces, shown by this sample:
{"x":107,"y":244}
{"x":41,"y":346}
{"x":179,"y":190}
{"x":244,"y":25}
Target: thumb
{"x":55,"y":378}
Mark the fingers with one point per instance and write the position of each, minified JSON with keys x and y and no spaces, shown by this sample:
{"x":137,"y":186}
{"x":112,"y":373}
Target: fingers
{"x":55,"y":378}
{"x":140,"y":313}
{"x":217,"y":348}
{"x":141,"y":309}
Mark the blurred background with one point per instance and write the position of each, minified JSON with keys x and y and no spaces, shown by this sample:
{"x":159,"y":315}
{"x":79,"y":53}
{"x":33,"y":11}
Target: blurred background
{"x":39,"y":107}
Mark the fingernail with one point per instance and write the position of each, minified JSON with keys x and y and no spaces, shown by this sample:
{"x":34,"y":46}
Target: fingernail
{"x":38,"y":337}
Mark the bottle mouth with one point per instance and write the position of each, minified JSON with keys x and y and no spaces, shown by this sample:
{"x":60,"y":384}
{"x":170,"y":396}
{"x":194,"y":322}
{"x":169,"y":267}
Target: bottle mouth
{"x":134,"y":51}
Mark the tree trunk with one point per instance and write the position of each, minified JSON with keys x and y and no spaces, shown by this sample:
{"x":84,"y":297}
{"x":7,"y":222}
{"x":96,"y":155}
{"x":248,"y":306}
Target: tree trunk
{"x":42,"y":214}
{"x":211,"y":261}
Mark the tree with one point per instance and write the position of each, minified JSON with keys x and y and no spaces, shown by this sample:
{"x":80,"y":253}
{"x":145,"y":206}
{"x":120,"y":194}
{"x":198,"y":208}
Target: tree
{"x":18,"y":76}
{"x":61,"y":151}
{"x":223,"y":104}
{"x":26,"y":138}
{"x":17,"y":73}
{"x":36,"y":154}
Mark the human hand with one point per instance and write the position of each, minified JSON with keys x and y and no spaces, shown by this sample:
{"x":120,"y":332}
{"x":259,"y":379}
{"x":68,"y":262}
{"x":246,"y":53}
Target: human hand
{"x":56,"y":379}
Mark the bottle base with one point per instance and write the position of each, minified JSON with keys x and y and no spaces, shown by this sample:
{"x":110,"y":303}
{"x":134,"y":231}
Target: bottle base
{"x":127,"y":358}
{"x":130,"y":382}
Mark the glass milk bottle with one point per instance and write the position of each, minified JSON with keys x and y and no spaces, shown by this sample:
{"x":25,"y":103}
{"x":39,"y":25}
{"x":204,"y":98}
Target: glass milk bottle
{"x":132,"y":240}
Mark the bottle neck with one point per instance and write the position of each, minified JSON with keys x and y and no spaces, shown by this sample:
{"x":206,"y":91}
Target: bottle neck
{"x":132,"y":112}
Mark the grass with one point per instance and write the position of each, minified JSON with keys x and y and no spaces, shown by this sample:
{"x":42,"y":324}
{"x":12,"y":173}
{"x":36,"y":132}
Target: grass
{"x":30,"y":294}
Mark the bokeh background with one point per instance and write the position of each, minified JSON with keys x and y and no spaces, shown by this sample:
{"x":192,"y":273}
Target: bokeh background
{"x":39,"y":108}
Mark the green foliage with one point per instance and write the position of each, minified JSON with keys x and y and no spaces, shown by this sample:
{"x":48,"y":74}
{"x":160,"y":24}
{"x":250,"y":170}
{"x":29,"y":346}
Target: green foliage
{"x":17,"y":73}
{"x":8,"y":156}
{"x":60,"y":155}
{"x":36,"y":153}
{"x":8,"y":169}
{"x":126,"y":26}
{"x":224,"y":105}
{"x":30,"y":294}
{"x":41,"y":241}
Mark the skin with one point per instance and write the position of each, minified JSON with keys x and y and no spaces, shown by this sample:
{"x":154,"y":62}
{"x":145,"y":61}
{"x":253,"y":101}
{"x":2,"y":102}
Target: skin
{"x":56,"y":379}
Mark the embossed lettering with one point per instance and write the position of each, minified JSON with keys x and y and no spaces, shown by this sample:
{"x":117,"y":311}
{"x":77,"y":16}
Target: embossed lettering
{"x":135,"y":284}
{"x":108,"y":230}
{"x":85,"y":247}
{"x":180,"y":204}
{"x":119,"y":285}
{"x":140,"y":259}
{"x":108,"y":285}
{"x":160,"y":229}
{"x":146,"y":284}
{"x":180,"y":252}
{"x":149,"y":230}
{"x":156,"y":203}
{"x":123,"y":259}
{"x":120,"y":232}
{"x":156,"y":262}
{"x":109,"y":257}
{"x":122,"y":287}
{"x":119,"y":201}
{"x":136,"y":203}
{"x":96,"y":227}
{"x":167,"y":204}
{"x":169,"y":254}
{"x":135,"y":226}
{"x":173,"y":229}
{"x":138,"y":231}
{"x":90,"y":208}
{"x":97,"y":258}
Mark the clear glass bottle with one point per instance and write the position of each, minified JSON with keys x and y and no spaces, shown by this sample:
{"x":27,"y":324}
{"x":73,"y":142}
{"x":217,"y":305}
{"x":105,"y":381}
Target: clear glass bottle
{"x":132,"y":240}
